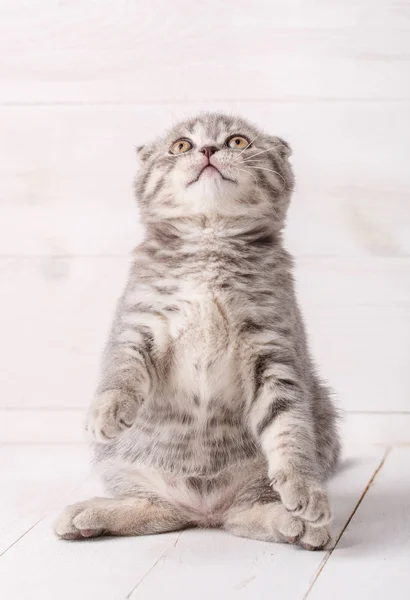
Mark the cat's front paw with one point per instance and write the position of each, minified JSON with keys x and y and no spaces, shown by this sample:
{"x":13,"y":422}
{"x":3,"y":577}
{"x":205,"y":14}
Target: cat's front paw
{"x":110,"y":414}
{"x":303,"y":498}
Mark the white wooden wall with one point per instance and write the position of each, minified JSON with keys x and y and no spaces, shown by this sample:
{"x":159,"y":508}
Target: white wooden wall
{"x":83,"y":81}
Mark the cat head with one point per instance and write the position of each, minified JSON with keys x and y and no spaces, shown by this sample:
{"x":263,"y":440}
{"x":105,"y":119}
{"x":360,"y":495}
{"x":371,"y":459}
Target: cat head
{"x":214,"y":165}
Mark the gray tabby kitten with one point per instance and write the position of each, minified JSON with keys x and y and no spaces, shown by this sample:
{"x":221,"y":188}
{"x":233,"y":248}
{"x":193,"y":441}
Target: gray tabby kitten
{"x":209,"y":412}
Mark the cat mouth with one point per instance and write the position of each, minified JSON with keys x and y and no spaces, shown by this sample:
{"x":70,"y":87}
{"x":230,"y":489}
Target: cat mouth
{"x":208,"y":168}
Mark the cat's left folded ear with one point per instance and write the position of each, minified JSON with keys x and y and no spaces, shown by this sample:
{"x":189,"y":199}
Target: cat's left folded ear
{"x":144,"y":152}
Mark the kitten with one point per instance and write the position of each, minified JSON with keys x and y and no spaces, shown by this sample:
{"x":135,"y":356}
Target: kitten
{"x":209,"y":412}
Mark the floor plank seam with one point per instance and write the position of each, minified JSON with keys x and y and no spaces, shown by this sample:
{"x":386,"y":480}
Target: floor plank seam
{"x":21,"y":536}
{"x":73,"y":490}
{"x":128,"y":596}
{"x":329,"y":554}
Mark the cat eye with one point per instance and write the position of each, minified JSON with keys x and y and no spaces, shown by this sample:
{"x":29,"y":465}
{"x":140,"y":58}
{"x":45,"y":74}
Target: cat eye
{"x":181,"y":146}
{"x":237,"y":141}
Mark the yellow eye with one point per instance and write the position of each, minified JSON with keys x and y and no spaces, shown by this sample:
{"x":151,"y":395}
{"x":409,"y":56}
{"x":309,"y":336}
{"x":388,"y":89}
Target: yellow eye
{"x":238,"y":142}
{"x":180,"y":146}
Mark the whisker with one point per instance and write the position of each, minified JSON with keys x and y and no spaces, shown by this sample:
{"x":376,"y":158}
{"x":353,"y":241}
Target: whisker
{"x":275,"y":213}
{"x":261,"y":152}
{"x":271,"y":170}
{"x":266,"y":169}
{"x":246,"y":147}
{"x":253,"y":159}
{"x":245,"y":171}
{"x":257,"y":184}
{"x":259,"y":161}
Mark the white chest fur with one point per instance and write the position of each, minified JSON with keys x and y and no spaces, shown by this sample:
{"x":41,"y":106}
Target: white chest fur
{"x":205,"y":361}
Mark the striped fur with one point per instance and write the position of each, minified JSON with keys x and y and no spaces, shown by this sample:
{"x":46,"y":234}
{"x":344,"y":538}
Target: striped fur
{"x":209,"y":407}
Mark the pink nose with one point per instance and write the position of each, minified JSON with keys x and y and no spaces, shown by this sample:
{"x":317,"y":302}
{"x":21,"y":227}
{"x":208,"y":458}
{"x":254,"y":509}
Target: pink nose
{"x":209,"y":150}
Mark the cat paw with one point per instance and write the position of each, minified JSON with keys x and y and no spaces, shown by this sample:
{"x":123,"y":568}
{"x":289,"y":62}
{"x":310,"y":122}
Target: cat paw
{"x":111,"y":413}
{"x":303,"y":499}
{"x":295,"y":530}
{"x":316,"y":538}
{"x":81,"y":520}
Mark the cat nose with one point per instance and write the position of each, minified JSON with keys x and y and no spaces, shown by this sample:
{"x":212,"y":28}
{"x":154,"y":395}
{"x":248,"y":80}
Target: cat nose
{"x":208,"y":150}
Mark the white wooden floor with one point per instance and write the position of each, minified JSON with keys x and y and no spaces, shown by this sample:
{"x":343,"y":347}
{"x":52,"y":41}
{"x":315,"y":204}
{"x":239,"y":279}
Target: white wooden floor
{"x":371,"y":499}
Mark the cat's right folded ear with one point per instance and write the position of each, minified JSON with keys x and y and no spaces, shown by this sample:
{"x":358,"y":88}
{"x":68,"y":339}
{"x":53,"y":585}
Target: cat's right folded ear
{"x":282,"y":146}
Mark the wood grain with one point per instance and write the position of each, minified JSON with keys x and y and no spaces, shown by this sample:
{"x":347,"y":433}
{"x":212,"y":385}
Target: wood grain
{"x":119,"y":51}
{"x":239,"y":568}
{"x":143,"y":567}
{"x":373,"y":554}
{"x":34,"y":480}
{"x":82,"y":83}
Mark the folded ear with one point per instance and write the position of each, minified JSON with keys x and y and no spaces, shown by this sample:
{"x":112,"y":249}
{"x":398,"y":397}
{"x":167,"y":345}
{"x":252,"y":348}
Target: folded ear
{"x":144,"y":152}
{"x":282,"y":147}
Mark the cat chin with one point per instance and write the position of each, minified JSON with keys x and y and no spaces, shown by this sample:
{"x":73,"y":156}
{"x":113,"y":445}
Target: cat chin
{"x":207,"y":188}
{"x":211,"y":179}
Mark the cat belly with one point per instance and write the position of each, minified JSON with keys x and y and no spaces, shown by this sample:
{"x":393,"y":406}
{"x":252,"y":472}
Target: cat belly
{"x":183,"y":444}
{"x":204,"y":500}
{"x":190,"y":445}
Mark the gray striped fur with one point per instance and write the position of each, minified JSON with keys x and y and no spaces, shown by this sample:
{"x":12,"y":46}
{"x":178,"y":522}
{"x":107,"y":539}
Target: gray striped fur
{"x":209,"y":408}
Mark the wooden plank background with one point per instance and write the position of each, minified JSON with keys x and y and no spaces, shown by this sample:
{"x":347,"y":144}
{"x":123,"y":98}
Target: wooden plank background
{"x":81,"y":83}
